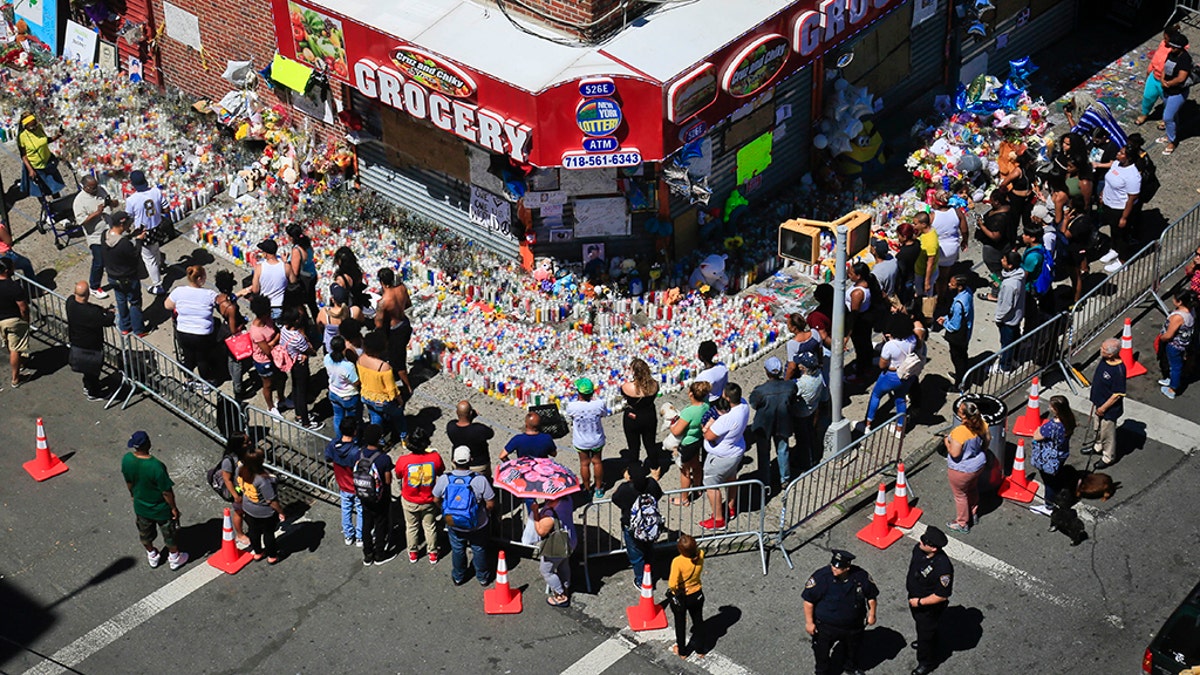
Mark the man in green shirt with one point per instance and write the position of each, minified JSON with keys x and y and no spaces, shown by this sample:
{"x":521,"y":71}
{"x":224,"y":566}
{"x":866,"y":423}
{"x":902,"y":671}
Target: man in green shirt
{"x":150,"y":486}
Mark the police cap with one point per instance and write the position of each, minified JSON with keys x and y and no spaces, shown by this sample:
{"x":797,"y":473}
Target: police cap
{"x":841,"y":559}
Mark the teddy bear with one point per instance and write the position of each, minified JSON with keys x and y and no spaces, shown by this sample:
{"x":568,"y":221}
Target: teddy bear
{"x":543,"y":273}
{"x":710,"y":275}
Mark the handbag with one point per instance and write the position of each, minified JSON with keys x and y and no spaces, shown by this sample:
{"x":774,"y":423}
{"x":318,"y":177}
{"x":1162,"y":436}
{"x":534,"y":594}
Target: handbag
{"x":557,"y":544}
{"x":282,"y":358}
{"x":240,"y":346}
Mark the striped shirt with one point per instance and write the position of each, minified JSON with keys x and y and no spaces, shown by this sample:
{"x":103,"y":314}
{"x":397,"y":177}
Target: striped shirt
{"x":294,"y":342}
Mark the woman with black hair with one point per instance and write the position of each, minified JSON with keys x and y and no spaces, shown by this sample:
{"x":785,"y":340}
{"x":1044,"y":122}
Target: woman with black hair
{"x":303,"y":269}
{"x":264,"y":336}
{"x":998,"y":234}
{"x":349,"y":276}
{"x":293,"y":337}
{"x":227,"y":307}
{"x":859,"y":296}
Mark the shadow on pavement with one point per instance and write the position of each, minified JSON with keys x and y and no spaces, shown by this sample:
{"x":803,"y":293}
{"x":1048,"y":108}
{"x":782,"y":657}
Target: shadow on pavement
{"x":718,"y":625}
{"x":200,"y":539}
{"x":961,"y":630}
{"x":879,"y":645}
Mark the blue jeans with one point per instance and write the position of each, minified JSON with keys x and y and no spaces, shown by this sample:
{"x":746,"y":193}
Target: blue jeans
{"x":351,"y":507}
{"x":96,"y":277}
{"x":1151,"y":93}
{"x":1170,"y":111}
{"x":351,"y":405}
{"x":640,"y":554}
{"x":20,"y":263}
{"x":889,"y":381}
{"x":129,"y":305}
{"x":1008,"y":335}
{"x":477,"y":540}
{"x":388,"y":415}
{"x":1175,"y":364}
{"x":782,"y":448}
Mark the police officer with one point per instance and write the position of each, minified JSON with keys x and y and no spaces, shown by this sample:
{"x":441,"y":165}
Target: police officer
{"x":837,"y":599}
{"x":930,"y":582}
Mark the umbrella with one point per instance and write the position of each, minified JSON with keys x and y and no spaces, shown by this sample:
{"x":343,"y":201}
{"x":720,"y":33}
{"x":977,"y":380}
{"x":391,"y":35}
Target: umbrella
{"x":536,"y":478}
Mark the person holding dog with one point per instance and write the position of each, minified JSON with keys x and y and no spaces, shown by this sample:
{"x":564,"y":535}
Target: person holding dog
{"x":1051,"y":447}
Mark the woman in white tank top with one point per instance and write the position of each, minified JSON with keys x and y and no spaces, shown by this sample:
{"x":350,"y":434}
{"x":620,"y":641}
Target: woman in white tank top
{"x":271,"y":276}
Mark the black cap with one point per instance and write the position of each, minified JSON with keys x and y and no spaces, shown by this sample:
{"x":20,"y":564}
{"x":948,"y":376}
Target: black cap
{"x":268,"y":246}
{"x":841,"y":559}
{"x":934,"y":537}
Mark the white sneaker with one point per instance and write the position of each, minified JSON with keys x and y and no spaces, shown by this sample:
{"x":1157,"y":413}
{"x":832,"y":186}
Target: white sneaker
{"x":1113,"y":266}
{"x":1165,"y":382}
{"x":154,"y":558}
{"x":1109,"y":257}
{"x":274,"y":412}
{"x":99,"y":293}
{"x":349,"y":541}
{"x":1043,"y":509}
{"x":177,"y":560}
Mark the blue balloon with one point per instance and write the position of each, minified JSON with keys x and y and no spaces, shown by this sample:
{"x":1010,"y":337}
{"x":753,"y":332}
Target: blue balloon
{"x":977,"y":29}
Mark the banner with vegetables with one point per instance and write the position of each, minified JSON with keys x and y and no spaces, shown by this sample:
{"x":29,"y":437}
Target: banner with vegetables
{"x":319,"y":40}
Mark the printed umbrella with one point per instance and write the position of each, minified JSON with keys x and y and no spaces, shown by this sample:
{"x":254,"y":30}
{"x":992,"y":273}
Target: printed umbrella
{"x":536,"y":478}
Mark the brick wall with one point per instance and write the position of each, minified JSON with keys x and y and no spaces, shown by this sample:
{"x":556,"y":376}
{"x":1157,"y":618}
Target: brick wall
{"x":561,"y":14}
{"x":229,"y":31}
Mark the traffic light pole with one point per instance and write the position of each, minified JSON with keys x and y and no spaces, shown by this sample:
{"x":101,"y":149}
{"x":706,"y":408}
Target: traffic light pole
{"x":838,"y":434}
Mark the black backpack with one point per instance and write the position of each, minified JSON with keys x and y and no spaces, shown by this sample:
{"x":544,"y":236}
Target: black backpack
{"x":217,"y":482}
{"x":368,"y":484}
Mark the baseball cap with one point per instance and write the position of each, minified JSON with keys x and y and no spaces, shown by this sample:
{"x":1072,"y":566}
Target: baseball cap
{"x":339,"y":294}
{"x":138,"y":179}
{"x":934,"y":537}
{"x":584,"y":386}
{"x":268,"y":246}
{"x":1041,"y":213}
{"x":1176,"y":39}
{"x":120,"y":218}
{"x":773,"y":365}
{"x":807,"y":359}
{"x":462,"y":455}
{"x":139,"y":439}
{"x":841,"y":559}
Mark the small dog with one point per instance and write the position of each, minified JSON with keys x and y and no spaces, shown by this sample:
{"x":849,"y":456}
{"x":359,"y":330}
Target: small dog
{"x":1063,"y":518}
{"x":669,"y":414}
{"x":1096,"y":485}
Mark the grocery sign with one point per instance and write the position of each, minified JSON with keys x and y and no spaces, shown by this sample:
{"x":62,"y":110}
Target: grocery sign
{"x":755,"y":66}
{"x":433,"y":73}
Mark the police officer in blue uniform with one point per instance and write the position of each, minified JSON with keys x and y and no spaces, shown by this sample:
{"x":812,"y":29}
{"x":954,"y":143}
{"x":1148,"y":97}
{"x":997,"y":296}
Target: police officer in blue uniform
{"x":837,"y":601}
{"x":930,"y":582}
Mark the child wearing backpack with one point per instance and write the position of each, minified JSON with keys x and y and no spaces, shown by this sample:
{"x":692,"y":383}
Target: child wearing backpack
{"x":587,"y":435}
{"x":373,"y":487}
{"x":1039,"y":279}
{"x":641,"y":521}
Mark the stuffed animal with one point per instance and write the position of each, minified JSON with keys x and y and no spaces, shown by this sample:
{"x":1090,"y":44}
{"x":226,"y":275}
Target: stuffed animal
{"x":710,"y":275}
{"x":543,"y":271}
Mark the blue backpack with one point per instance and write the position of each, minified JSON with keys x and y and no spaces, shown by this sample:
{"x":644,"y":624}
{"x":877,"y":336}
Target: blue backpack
{"x":460,"y":505}
{"x":1045,"y":277}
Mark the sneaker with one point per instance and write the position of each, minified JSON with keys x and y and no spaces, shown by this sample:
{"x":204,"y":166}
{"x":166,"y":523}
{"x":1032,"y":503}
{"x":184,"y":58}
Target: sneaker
{"x":711,"y":524}
{"x":358,"y":543}
{"x":366,"y":562}
{"x":1168,"y":392}
{"x":955,"y":527}
{"x":1165,"y":382}
{"x":433,"y":558}
{"x":387,"y":559}
{"x":274,"y":412}
{"x":1043,"y":509}
{"x":154,"y":558}
{"x":143,"y":334}
{"x":598,"y":494}
{"x":413,"y":557}
{"x":126,"y":332}
{"x":311,"y":425}
{"x":178,"y":560}
{"x":99,"y":293}
{"x":93,"y":397}
{"x":488,"y":581}
{"x":1113,"y":266}
{"x":1109,"y":257}
{"x":349,"y":541}
{"x":1101,"y":465}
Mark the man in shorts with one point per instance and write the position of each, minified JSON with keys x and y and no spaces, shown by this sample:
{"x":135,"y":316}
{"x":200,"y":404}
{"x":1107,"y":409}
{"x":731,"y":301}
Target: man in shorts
{"x":587,"y":434}
{"x":14,"y":319}
{"x":151,"y":488}
{"x":725,"y":443}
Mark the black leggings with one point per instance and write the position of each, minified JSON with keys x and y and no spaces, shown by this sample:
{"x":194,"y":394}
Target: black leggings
{"x":639,"y":432}
{"x":300,"y":376}
{"x":693,"y":605}
{"x":860,"y":337}
{"x":262,"y":534}
{"x":196,"y":352}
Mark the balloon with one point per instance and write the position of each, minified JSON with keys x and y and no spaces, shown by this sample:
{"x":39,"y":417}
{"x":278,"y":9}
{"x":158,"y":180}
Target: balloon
{"x":982,"y":6}
{"x":969,"y":164}
{"x":840,"y":84}
{"x":854,"y":128}
{"x":820,"y":142}
{"x":1020,"y":69}
{"x":977,"y":29}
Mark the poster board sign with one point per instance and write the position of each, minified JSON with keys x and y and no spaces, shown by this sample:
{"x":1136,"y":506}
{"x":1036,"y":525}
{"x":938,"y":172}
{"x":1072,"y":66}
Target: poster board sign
{"x":601,"y":217}
{"x":79,"y":45}
{"x":182,"y":25}
{"x":491,"y":211}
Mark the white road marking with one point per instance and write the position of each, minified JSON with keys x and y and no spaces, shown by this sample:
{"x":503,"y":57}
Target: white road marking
{"x":713,"y":662}
{"x":1161,"y":426}
{"x":141,"y":611}
{"x":997,"y":569}
{"x":602,"y":657}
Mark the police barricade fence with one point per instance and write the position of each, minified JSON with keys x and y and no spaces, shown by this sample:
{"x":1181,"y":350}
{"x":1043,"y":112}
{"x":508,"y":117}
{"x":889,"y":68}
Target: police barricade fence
{"x":601,"y":534}
{"x":293,"y":451}
{"x":48,"y":320}
{"x":1177,"y":245}
{"x":1027,"y":357}
{"x":1112,"y":299}
{"x":824,"y":485}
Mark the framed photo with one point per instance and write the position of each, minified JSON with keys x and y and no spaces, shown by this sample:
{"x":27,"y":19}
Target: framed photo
{"x":107,"y":58}
{"x":560,"y":235}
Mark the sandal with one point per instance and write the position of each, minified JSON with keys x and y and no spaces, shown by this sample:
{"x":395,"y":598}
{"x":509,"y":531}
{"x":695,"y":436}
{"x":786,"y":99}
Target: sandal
{"x":984,"y":295}
{"x":1168,"y":150}
{"x":258,"y":556}
{"x":272,"y":561}
{"x":1139,"y":120}
{"x":1162,"y":126}
{"x":1162,"y":139}
{"x":562,"y":604}
{"x":681,"y":502}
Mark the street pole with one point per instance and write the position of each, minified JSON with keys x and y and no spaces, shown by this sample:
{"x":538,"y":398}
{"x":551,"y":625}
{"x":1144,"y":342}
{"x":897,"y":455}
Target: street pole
{"x":4,"y":205}
{"x":838,"y":434}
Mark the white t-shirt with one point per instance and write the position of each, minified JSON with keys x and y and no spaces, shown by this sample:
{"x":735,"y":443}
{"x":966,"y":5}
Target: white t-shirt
{"x":1119,"y":183}
{"x":946,"y":225}
{"x":146,"y":208}
{"x":273,"y":282}
{"x":895,"y":350}
{"x":718,"y":377}
{"x":730,"y":429}
{"x":194,"y":309}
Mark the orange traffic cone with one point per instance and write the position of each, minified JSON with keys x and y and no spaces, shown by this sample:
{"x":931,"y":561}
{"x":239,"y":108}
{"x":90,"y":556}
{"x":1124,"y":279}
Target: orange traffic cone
{"x":879,"y":533}
{"x":1032,"y":419}
{"x":1132,"y":367}
{"x":502,"y":599}
{"x":229,"y":559}
{"x":45,"y":464}
{"x":1016,"y":486}
{"x":647,"y":614}
{"x":899,"y":512}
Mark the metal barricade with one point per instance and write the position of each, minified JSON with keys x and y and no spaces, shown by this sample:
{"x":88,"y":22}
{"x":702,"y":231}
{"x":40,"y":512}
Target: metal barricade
{"x":1112,"y":299}
{"x":183,"y":391}
{"x":509,"y":518}
{"x":601,"y":533}
{"x":1177,"y":243}
{"x":292,"y":451}
{"x":825,"y":484}
{"x":1030,"y":355}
